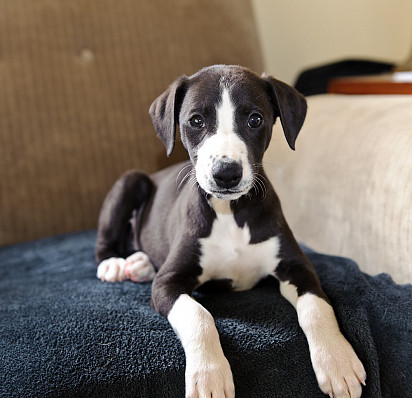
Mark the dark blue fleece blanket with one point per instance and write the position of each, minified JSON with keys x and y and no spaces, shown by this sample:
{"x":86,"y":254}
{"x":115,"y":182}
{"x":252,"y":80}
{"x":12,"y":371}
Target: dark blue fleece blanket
{"x":65,"y":334}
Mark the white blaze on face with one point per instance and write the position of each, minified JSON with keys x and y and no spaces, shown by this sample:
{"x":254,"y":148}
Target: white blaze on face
{"x":224,"y":144}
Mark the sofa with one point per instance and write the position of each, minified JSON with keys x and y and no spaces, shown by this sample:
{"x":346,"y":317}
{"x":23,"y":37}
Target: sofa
{"x":347,"y":188}
{"x":77,"y":79}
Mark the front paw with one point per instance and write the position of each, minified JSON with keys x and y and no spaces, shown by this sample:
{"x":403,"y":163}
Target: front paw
{"x":338,"y":370}
{"x":209,"y":378}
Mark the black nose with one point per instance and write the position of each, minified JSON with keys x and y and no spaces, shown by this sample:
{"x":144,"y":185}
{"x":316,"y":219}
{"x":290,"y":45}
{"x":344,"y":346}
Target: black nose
{"x":227,"y":173}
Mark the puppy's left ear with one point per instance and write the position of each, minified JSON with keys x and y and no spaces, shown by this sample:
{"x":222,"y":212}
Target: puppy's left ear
{"x":289,"y":105}
{"x":164,"y":112}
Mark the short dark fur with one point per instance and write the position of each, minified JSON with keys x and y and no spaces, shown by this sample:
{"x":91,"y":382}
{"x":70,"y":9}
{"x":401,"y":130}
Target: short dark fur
{"x":168,"y":222}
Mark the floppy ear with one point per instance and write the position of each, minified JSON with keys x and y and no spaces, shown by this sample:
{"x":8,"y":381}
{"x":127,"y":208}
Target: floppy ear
{"x":164,"y":112}
{"x":290,"y":105}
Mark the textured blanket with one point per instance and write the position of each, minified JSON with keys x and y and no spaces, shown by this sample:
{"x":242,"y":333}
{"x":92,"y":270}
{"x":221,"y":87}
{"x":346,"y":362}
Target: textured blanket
{"x":65,"y":334}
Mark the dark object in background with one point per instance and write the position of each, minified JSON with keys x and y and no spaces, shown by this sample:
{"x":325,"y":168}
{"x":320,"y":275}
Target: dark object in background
{"x":315,"y":80}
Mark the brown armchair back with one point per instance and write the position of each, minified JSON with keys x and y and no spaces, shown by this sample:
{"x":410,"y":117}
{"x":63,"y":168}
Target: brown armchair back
{"x":76,"y":81}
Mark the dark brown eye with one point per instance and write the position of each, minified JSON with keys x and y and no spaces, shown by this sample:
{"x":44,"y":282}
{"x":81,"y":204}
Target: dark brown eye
{"x":255,"y":121}
{"x":197,"y":122}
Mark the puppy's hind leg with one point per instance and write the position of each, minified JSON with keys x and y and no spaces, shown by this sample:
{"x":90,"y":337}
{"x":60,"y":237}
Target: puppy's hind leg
{"x":115,"y":243}
{"x":138,"y":267}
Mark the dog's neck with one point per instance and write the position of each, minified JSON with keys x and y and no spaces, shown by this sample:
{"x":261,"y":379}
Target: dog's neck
{"x":221,"y":206}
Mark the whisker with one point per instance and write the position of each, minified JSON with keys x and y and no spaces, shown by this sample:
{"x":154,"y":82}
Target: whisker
{"x":194,"y":183}
{"x":263,"y":182}
{"x":262,"y":178}
{"x":185,"y":167}
{"x":259,"y":184}
{"x":270,"y":163}
{"x":180,"y":172}
{"x":189,"y":174}
{"x":257,"y":167}
{"x":182,"y":181}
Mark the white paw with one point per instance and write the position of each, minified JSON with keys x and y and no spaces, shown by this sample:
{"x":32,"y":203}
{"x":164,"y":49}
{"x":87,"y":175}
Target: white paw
{"x":138,"y":268}
{"x":338,"y":370}
{"x":208,"y":372}
{"x":205,"y":379}
{"x":112,"y":270}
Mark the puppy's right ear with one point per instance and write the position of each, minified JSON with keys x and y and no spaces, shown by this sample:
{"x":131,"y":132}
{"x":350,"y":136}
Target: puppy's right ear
{"x":165,"y":112}
{"x":289,"y":105}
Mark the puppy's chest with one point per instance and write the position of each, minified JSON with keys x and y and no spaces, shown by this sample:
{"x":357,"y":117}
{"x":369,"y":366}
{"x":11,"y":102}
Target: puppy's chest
{"x":228,"y":254}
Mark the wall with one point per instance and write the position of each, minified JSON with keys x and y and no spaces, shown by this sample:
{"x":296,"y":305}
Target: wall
{"x":298,"y":34}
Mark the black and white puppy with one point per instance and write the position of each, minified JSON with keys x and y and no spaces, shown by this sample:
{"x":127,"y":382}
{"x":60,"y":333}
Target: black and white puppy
{"x":217,"y":218}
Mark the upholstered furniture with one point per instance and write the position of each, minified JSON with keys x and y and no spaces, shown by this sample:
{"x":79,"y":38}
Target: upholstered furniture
{"x":347,"y":188}
{"x":77,"y":79}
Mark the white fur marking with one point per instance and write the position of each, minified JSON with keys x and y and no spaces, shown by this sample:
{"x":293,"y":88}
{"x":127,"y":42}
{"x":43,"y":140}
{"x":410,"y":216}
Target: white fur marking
{"x":338,"y":369}
{"x":228,"y":254}
{"x":225,"y":114}
{"x":225,"y":143}
{"x":289,"y":292}
{"x":207,"y":369}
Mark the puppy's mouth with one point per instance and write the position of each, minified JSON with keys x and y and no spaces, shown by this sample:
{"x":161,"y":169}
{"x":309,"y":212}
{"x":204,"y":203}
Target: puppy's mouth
{"x":227,"y":194}
{"x":218,"y":192}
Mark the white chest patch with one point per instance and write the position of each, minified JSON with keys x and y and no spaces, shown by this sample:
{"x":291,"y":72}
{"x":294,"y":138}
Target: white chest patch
{"x":228,"y":254}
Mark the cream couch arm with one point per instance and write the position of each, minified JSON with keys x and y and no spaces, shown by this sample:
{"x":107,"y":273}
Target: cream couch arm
{"x":347,"y":189}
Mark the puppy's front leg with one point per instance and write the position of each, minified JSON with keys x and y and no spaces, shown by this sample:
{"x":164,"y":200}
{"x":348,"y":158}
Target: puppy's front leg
{"x":338,"y":369}
{"x":208,"y":372}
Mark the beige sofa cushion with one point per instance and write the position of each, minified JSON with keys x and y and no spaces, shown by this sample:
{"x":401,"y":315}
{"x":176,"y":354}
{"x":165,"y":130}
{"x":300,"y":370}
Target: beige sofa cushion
{"x":347,"y":189}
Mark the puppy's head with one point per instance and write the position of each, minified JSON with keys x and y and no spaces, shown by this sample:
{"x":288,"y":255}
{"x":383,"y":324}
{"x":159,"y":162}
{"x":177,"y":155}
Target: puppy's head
{"x":226,"y":115}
